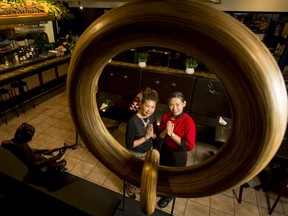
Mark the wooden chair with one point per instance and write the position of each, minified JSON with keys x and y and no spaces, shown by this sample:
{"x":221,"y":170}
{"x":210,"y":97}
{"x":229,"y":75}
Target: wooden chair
{"x":277,"y":180}
{"x":245,"y":185}
{"x":281,"y":191}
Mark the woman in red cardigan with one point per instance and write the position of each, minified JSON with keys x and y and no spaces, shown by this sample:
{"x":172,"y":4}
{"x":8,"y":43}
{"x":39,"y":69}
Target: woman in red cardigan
{"x":178,"y":131}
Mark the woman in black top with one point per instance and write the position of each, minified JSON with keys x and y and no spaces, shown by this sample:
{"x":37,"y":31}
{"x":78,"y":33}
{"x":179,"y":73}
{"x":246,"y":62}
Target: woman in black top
{"x":141,"y":130}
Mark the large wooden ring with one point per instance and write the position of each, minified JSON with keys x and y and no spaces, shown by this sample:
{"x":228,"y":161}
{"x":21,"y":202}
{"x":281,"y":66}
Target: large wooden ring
{"x":239,"y":59}
{"x":149,"y":182}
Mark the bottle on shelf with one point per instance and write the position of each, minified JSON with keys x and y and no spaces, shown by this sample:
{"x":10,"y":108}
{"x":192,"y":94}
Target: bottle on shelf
{"x":6,"y":61}
{"x":27,"y":53}
{"x":16,"y":57}
{"x":23,"y":54}
{"x":30,"y":53}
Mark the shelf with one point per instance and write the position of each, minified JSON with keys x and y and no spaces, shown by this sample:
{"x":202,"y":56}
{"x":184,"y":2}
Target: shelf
{"x":24,"y":20}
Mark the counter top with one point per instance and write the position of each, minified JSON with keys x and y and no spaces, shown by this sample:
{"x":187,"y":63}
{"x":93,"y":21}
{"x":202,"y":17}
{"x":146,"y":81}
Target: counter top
{"x":163,"y":69}
{"x":13,"y":66}
{"x":8,"y":73}
{"x":22,"y":70}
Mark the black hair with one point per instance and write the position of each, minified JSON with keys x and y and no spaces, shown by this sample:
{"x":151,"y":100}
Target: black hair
{"x":24,"y":133}
{"x":176,"y":95}
{"x":150,"y":94}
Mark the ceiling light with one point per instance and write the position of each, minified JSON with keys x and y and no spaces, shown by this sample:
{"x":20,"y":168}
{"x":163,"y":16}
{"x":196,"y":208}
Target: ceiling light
{"x":80,"y":5}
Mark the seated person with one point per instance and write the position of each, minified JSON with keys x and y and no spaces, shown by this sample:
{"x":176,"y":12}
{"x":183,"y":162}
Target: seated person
{"x":33,"y":158}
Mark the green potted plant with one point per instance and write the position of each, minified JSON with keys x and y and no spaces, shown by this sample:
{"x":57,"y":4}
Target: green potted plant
{"x":142,"y":58}
{"x":190,"y":64}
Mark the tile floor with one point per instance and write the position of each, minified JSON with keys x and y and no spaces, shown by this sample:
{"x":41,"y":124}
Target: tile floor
{"x":53,"y":125}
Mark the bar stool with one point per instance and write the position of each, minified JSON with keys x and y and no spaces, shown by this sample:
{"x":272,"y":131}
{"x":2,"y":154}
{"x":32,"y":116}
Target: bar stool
{"x":20,"y":90}
{"x":5,"y":103}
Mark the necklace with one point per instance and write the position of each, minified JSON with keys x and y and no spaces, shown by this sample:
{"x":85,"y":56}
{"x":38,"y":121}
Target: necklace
{"x":145,"y":122}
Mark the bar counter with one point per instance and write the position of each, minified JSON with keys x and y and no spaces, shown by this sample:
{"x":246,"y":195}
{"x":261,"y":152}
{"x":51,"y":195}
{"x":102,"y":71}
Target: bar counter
{"x":20,"y":71}
{"x":10,"y":73}
{"x":41,"y":76}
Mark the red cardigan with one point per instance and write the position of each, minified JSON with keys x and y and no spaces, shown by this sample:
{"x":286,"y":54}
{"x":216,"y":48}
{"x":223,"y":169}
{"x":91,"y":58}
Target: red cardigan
{"x":184,"y":127}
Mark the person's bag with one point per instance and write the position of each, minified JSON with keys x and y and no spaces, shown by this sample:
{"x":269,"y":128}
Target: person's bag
{"x":136,"y":103}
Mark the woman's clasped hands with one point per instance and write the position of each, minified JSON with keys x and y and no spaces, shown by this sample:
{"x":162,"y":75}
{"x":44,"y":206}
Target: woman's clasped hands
{"x":150,"y":132}
{"x":170,"y":128}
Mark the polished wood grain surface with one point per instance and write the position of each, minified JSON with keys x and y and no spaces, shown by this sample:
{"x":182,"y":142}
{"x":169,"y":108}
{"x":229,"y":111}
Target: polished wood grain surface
{"x":149,"y":182}
{"x":235,"y":54}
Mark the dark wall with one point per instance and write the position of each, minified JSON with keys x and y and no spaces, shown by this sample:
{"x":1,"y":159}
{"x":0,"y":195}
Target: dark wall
{"x":83,"y":18}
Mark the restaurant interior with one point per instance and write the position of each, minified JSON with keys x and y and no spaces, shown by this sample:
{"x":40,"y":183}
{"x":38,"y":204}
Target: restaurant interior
{"x":39,"y":44}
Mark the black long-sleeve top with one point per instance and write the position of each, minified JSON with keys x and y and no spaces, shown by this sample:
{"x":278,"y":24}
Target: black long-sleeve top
{"x":135,"y":130}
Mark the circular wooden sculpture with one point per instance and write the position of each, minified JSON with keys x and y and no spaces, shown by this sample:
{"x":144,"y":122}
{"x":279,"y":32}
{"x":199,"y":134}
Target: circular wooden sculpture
{"x":149,"y":182}
{"x":239,"y":59}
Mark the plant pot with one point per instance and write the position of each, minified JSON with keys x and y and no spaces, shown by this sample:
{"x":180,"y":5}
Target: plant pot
{"x":142,"y":64}
{"x":190,"y":70}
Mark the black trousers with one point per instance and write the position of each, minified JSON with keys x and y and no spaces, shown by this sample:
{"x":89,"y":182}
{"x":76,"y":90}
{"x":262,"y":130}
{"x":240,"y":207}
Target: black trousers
{"x":170,"y":157}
